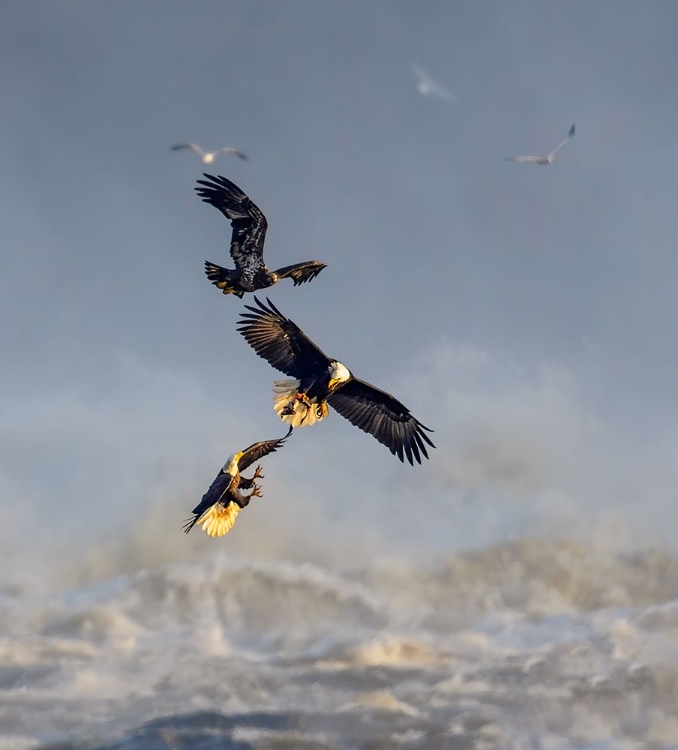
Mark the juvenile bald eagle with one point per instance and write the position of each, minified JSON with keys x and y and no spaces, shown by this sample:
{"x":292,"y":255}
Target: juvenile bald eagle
{"x":247,"y":243}
{"x":320,"y":380}
{"x":222,"y":502}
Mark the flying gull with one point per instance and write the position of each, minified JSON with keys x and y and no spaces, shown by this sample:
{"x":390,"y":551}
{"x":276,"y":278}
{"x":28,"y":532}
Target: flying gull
{"x":544,"y":160}
{"x":426,"y":86}
{"x":209,"y":156}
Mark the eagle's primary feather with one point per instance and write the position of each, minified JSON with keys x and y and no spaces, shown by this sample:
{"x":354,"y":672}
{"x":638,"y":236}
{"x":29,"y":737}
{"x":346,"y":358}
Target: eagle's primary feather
{"x":382,"y":416}
{"x":280,"y":342}
{"x":259,"y":450}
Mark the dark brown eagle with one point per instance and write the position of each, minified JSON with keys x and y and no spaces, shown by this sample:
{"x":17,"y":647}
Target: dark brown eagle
{"x":320,"y":380}
{"x":247,"y":243}
{"x":222,"y":502}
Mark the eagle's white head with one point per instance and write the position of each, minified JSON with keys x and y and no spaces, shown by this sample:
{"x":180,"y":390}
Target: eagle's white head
{"x":231,"y":465}
{"x":339,"y":374}
{"x":208,"y":158}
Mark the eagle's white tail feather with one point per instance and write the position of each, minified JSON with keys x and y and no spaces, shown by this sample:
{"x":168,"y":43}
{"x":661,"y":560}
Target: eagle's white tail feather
{"x":304,"y":413}
{"x":218,"y":520}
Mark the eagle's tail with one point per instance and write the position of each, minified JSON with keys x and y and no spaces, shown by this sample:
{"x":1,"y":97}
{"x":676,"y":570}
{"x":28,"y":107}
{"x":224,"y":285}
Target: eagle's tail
{"x":295,"y":408}
{"x":217,"y":520}
{"x":300,"y":273}
{"x":222,"y":278}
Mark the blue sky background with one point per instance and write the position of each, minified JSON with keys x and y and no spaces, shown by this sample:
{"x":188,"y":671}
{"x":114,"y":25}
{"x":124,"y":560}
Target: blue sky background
{"x":526,"y":314}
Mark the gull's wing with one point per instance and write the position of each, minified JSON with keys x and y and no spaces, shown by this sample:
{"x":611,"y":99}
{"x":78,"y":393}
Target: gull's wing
{"x":280,"y":342}
{"x":569,"y":136}
{"x":384,"y":417}
{"x":192,"y":146}
{"x":234,"y":151}
{"x":523,"y":158}
{"x":442,"y":93}
{"x":259,"y":450}
{"x":421,"y":75}
{"x":248,"y":222}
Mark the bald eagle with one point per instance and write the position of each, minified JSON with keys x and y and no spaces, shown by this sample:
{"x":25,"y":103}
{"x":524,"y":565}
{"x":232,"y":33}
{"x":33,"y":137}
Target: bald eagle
{"x":320,"y":380}
{"x":247,"y":243}
{"x":222,"y":502}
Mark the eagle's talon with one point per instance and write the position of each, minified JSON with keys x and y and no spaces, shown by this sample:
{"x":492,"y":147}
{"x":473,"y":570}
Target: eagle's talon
{"x":256,"y":491}
{"x":257,"y":473}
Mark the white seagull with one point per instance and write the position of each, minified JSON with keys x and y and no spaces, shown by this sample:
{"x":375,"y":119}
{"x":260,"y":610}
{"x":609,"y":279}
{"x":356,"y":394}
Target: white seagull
{"x":426,"y":86}
{"x":544,"y":160}
{"x":209,"y":156}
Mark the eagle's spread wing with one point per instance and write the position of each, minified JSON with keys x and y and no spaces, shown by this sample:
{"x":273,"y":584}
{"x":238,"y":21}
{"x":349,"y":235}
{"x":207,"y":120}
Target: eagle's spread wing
{"x":384,"y":417}
{"x":280,"y":342}
{"x":248,"y":222}
{"x":259,"y":450}
{"x":214,"y":494}
{"x":300,"y":273}
{"x":523,"y":158}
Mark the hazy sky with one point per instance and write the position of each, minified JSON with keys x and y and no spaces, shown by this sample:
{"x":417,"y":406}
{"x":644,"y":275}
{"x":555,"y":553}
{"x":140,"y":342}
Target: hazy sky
{"x":526,"y":314}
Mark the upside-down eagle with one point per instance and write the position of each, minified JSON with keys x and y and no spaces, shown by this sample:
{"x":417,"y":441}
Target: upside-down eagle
{"x":320,"y":380}
{"x":222,"y":502}
{"x":247,"y":243}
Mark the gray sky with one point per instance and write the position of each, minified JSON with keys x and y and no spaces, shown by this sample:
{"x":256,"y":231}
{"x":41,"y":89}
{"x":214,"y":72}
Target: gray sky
{"x":526,"y":314}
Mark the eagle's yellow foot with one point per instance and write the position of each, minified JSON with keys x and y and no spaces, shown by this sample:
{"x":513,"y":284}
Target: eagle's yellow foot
{"x":227,"y":288}
{"x":256,"y":491}
{"x":257,"y":473}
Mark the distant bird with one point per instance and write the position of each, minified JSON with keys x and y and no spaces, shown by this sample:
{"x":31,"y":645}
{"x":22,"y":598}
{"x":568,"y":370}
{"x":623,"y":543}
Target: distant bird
{"x":320,"y":380}
{"x":544,"y":160}
{"x":209,"y":156}
{"x":426,"y":86}
{"x":222,"y":502}
{"x":247,"y":243}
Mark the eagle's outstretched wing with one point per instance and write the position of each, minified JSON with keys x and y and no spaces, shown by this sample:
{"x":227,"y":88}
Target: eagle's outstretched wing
{"x":259,"y":450}
{"x":279,"y":341}
{"x":570,"y":134}
{"x":214,"y":494}
{"x":384,"y":417}
{"x":248,"y":222}
{"x":523,"y":158}
{"x":300,"y":273}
